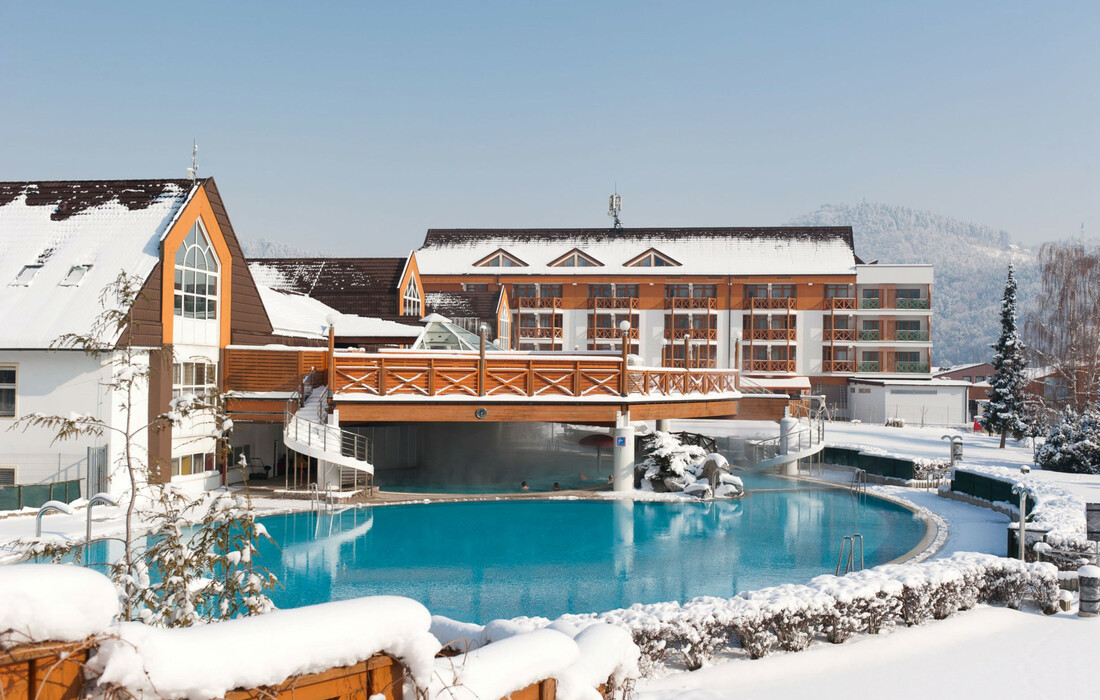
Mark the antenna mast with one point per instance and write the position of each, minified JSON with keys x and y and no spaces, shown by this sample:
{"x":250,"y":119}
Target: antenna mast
{"x":193,"y":171}
{"x":614,"y":208}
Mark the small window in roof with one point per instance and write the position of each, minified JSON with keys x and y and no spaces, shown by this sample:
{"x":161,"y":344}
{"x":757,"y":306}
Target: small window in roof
{"x":26,"y":275}
{"x":576,"y":258}
{"x":500,"y":258}
{"x":652,"y":258}
{"x":76,"y":273}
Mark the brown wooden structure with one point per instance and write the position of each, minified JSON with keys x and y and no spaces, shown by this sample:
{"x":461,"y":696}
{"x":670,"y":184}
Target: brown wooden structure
{"x":46,"y":671}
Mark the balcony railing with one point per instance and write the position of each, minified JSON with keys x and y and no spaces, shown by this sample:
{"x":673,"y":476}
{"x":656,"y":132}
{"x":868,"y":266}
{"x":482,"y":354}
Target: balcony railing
{"x":870,"y":303}
{"x":692,"y":333}
{"x":840,"y":303}
{"x":611,"y":333}
{"x":909,"y":336}
{"x":867,"y":367}
{"x":912,"y":367}
{"x":909,"y":303}
{"x":542,"y":303}
{"x":835,"y":334}
{"x":630,"y":303}
{"x":838,"y":366}
{"x":770,"y":334}
{"x":786,"y":303}
{"x":540,"y":332}
{"x":770,"y":365}
{"x":869,"y":335}
{"x":704,"y":303}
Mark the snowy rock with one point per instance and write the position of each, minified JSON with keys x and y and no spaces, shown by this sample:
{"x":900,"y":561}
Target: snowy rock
{"x":47,"y":602}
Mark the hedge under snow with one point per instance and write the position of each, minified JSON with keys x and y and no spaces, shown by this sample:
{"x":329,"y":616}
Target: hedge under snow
{"x":45,"y":602}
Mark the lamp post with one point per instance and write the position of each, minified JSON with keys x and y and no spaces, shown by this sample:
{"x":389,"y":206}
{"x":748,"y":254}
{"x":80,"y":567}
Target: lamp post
{"x":1023,"y":492}
{"x":482,"y":328}
{"x":737,"y":335}
{"x":624,"y":326}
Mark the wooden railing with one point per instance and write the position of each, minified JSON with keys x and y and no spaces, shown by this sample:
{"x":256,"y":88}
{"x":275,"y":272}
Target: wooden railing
{"x":840,"y":303}
{"x":770,"y":303}
{"x":839,"y":334}
{"x":692,"y":333}
{"x":769,"y":365}
{"x":540,"y":332}
{"x":705,"y":303}
{"x":247,"y":369}
{"x":45,"y":671}
{"x":507,"y":375}
{"x":551,"y":303}
{"x":771,"y":334}
{"x":611,"y":333}
{"x":838,"y":366}
{"x":613,"y":303}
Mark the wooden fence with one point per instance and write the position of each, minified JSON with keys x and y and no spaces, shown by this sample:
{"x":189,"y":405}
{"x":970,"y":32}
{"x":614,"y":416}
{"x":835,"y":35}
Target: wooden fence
{"x":48,"y":671}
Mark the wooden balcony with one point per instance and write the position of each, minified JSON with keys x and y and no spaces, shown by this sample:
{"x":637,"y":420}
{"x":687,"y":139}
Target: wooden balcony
{"x":769,"y":365}
{"x":710,"y":334}
{"x":613,"y":303}
{"x":782,"y":334}
{"x":782,"y":303}
{"x":838,"y":366}
{"x":540,"y":332}
{"x":610,"y":333}
{"x":832,"y":335}
{"x":262,"y":370}
{"x":695,"y":364}
{"x":537,"y":303}
{"x":839,"y":303}
{"x":691,"y":303}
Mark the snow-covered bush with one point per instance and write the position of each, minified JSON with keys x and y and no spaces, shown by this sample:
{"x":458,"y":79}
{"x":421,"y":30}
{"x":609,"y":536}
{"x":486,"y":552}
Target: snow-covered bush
{"x":670,"y":465}
{"x":1073,"y":444}
{"x":895,"y":422}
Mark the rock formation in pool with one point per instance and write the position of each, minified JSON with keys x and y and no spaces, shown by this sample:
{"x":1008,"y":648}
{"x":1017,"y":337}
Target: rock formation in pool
{"x":670,"y":466}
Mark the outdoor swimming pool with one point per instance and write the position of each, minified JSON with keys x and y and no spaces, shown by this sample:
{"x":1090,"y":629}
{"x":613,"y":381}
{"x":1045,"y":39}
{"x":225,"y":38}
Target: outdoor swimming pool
{"x":482,"y":560}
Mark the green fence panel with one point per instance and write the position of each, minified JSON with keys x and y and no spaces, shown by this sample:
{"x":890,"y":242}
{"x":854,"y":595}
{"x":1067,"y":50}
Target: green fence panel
{"x":73,"y":491}
{"x":34,"y":495}
{"x":9,"y":498}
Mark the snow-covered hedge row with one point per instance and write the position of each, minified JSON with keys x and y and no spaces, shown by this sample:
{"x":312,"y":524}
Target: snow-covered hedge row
{"x":1057,"y":511}
{"x":790,"y":617}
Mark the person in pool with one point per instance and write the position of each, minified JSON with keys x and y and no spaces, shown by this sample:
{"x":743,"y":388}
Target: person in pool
{"x":524,"y":487}
{"x":557,"y":486}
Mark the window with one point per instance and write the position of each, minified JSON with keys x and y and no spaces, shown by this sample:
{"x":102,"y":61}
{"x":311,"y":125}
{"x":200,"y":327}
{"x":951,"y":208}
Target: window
{"x":75,"y":274}
{"x":908,"y":357}
{"x":652,"y":258}
{"x":979,"y":379}
{"x":756,"y":291}
{"x":679,"y":291}
{"x":908,"y":294}
{"x":7,"y":391}
{"x":836,"y":291}
{"x":193,"y":464}
{"x":195,"y":378}
{"x":966,"y":378}
{"x":196,"y":276}
{"x":550,"y":290}
{"x":575,"y":258}
{"x":525,"y":290}
{"x":908,"y":325}
{"x":783,"y":291}
{"x":7,"y":476}
{"x":704,"y":291}
{"x":477,"y":287}
{"x":410,"y":301}
{"x":626,"y":290}
{"x":600,"y":291}
{"x":500,"y":258}
{"x":26,"y":275}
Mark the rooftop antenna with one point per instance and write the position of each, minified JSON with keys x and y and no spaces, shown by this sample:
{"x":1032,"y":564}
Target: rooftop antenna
{"x":615,"y":207}
{"x":193,"y":171}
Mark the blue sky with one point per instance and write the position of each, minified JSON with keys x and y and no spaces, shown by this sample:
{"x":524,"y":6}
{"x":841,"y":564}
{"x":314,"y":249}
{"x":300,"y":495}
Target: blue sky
{"x":353,"y":127}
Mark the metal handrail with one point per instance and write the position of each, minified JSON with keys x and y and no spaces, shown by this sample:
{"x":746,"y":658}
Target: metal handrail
{"x":315,"y":429}
{"x":849,"y":544}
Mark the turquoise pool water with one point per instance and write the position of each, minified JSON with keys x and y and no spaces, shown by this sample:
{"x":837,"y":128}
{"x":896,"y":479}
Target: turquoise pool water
{"x":410,"y":481}
{"x":478,"y":561}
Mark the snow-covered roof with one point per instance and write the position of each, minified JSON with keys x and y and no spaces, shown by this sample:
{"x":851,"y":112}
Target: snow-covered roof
{"x":104,"y":226}
{"x":300,"y":316}
{"x":700,"y":251}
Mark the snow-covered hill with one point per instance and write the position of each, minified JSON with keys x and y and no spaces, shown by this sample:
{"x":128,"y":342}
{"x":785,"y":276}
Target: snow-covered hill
{"x":267,"y":248}
{"x":971,"y":263}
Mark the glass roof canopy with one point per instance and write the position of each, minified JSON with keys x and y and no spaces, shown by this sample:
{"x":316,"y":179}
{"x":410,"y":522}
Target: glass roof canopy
{"x":441,"y":334}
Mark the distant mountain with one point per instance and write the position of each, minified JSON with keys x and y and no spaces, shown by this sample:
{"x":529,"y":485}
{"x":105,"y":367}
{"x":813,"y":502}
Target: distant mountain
{"x":266,"y":248}
{"x":970,"y":261}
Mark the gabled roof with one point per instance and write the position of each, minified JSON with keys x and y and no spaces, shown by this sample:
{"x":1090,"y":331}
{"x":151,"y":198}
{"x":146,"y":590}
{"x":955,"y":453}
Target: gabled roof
{"x":108,"y":225}
{"x":824,"y":250}
{"x":300,"y":316}
{"x":482,"y":305}
{"x":562,"y":259}
{"x":652,"y":254}
{"x":360,"y":286}
{"x":500,"y":254}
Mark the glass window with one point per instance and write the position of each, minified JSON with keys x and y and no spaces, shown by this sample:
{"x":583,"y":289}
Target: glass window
{"x":836,"y":291}
{"x":908,"y":294}
{"x":477,"y":287}
{"x":7,"y":391}
{"x":410,"y":303}
{"x":600,"y":290}
{"x":908,"y":357}
{"x":626,"y":290}
{"x":27,"y":274}
{"x":75,"y":274}
{"x":908,"y":325}
{"x":195,"y":378}
{"x":704,"y":291}
{"x":783,"y":291}
{"x":679,"y":291}
{"x":756,"y":291}
{"x":550,"y":290}
{"x":524,"y":290}
{"x":196,"y":276}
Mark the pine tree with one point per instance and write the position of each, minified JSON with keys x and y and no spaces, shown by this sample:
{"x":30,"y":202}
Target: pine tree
{"x":1006,"y":409}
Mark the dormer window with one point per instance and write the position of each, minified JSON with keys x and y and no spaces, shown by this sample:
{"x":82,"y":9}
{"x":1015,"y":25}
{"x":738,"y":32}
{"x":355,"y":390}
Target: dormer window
{"x":500,"y":258}
{"x":196,"y":289}
{"x":652,"y":258}
{"x":76,"y":273}
{"x":410,"y":302}
{"x":26,"y":275}
{"x":576,"y":258}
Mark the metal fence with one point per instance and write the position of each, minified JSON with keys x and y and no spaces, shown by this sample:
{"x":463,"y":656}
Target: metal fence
{"x":30,"y":479}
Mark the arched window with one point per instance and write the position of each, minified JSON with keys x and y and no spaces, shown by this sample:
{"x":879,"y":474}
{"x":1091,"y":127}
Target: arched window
{"x":411,"y":299}
{"x":196,"y":276}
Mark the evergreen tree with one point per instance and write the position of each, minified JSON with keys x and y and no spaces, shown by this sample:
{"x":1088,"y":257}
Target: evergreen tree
{"x":1006,"y":409}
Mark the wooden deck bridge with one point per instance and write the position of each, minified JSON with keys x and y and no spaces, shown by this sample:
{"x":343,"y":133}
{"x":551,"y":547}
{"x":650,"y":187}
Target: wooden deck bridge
{"x":425,"y":386}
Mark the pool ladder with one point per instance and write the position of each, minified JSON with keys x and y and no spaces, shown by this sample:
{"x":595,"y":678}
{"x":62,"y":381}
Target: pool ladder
{"x":859,"y":481}
{"x":319,"y":499}
{"x":848,"y":545}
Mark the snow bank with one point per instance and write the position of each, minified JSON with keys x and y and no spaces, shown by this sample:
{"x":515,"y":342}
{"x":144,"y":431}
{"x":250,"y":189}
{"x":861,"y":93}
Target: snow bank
{"x":45,"y":602}
{"x":501,"y":668}
{"x":266,"y":649}
{"x":1057,"y":510}
{"x":607,"y":655}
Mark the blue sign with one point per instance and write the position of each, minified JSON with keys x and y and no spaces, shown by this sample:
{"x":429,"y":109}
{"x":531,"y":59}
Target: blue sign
{"x":620,"y":442}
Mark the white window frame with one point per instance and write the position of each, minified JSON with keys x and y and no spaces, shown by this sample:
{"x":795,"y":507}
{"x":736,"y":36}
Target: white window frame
{"x":411,"y":304}
{"x":181,"y":387}
{"x":31,"y":271}
{"x":181,"y":272}
{"x":82,"y":269}
{"x":14,"y":388}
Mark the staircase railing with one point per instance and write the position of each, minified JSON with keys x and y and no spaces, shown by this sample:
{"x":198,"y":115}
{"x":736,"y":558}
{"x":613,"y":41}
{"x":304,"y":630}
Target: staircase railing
{"x":315,"y":431}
